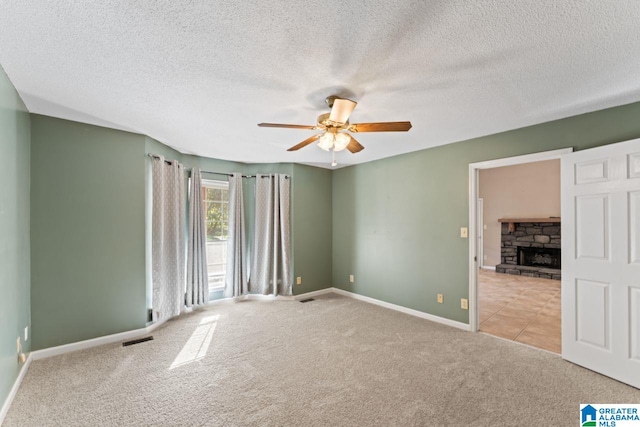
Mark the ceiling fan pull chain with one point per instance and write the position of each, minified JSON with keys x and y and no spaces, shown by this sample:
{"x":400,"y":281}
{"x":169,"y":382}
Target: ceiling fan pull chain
{"x":333,"y":158}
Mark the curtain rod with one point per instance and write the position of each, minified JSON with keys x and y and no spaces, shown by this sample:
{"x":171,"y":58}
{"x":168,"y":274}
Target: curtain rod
{"x":215,"y":173}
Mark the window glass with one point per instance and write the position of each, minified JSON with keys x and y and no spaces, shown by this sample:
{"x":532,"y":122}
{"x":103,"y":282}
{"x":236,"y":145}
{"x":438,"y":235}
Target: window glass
{"x":216,"y":208}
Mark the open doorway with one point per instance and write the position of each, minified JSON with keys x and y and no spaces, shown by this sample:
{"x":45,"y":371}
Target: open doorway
{"x":515,"y":279}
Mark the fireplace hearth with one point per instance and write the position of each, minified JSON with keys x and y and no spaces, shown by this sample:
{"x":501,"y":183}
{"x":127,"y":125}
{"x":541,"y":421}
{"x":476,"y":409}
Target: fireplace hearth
{"x":531,"y":247}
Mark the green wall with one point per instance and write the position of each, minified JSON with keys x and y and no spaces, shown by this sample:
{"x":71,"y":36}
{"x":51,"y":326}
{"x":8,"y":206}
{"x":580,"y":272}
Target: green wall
{"x":87,"y":231}
{"x":311,"y":228}
{"x":396,"y":221}
{"x":15,"y":310}
{"x":393,"y":223}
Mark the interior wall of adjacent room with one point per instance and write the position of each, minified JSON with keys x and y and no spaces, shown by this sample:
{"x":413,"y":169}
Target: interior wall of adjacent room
{"x":520,"y":191}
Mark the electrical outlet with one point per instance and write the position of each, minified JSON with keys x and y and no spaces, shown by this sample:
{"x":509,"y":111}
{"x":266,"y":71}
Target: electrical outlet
{"x":351,"y":278}
{"x":464,"y":232}
{"x":485,"y":257}
{"x":464,"y":303}
{"x":299,"y":280}
{"x":440,"y":299}
{"x":484,"y":227}
{"x":26,"y":333}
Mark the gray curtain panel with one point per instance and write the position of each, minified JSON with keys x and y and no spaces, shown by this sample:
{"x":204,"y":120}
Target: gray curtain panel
{"x":197,"y":277}
{"x":235,"y":282}
{"x":168,"y":237}
{"x":271,"y":250}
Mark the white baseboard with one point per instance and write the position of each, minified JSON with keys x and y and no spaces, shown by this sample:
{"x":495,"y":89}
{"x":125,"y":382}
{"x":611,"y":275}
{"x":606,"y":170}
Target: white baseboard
{"x":123,"y":336}
{"x":67,"y":348}
{"x":313,"y":294}
{"x":255,"y":297}
{"x":402,"y":309}
{"x":488,"y":267}
{"x":14,"y":389}
{"x":107,"y":339}
{"x":260,"y":297}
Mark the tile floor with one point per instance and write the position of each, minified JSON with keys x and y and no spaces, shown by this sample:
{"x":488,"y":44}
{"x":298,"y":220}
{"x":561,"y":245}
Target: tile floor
{"x":523,"y":309}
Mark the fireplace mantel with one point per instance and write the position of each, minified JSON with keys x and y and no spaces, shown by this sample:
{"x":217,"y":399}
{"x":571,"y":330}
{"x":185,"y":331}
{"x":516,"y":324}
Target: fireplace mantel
{"x":519,"y":220}
{"x":513,"y":221}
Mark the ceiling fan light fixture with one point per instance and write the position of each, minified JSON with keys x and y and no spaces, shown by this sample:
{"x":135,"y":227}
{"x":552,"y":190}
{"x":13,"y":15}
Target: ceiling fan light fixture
{"x":341,"y":141}
{"x":326,"y":141}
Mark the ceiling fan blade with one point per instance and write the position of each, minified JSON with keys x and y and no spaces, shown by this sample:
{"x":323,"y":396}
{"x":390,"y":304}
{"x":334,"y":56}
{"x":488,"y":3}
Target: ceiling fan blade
{"x":305,"y":142}
{"x":380,"y":127}
{"x":280,"y":125}
{"x":354,"y":146}
{"x":341,"y":110}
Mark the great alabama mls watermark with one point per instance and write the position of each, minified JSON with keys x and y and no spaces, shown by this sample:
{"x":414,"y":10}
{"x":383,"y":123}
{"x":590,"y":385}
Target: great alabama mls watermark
{"x":609,"y":415}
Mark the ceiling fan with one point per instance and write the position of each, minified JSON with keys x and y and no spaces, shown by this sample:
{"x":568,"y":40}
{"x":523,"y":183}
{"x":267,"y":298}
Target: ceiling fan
{"x":335,"y":125}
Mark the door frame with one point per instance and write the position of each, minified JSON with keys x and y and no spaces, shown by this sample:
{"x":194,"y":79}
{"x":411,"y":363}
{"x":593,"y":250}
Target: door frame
{"x":480,"y":231}
{"x":474,"y":169}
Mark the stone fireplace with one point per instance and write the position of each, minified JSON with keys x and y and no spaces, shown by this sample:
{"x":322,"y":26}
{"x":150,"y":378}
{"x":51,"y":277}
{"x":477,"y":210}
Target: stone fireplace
{"x":531,"y":247}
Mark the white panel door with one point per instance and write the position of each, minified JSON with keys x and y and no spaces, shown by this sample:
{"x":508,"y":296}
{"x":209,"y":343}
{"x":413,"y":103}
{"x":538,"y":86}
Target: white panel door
{"x":601,"y":260}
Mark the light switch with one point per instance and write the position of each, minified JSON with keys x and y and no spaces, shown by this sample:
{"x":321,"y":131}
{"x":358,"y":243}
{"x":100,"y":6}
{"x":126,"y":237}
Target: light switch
{"x":464,"y":232}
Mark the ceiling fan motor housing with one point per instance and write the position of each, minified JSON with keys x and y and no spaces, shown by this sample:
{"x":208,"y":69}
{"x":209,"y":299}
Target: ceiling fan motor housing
{"x":325,"y":122}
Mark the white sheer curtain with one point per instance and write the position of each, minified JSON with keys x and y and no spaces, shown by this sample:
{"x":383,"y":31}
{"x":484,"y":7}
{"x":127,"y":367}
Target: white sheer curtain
{"x":197,"y":277}
{"x":236,"y":274}
{"x":168,"y":237}
{"x":270,"y":255}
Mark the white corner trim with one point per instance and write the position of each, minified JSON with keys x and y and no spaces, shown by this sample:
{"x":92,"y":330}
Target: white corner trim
{"x":107,"y":339}
{"x":14,"y":389}
{"x":313,"y":294}
{"x":402,"y":309}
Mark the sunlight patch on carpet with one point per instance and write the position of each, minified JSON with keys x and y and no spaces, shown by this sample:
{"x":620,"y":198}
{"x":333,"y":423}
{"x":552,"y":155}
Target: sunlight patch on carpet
{"x":198,"y":344}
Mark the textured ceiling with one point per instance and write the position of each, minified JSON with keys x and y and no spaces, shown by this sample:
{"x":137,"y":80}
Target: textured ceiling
{"x":199,"y":75}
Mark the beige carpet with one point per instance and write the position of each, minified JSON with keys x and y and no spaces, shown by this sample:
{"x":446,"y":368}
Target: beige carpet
{"x":333,"y":361}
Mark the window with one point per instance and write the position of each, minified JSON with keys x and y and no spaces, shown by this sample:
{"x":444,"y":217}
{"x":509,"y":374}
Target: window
{"x":216,"y":208}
